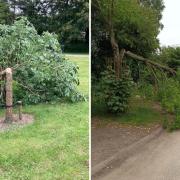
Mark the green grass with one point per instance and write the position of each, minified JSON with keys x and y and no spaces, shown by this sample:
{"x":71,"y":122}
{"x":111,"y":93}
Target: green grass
{"x":83,"y":62}
{"x":140,"y":113}
{"x":55,"y":146}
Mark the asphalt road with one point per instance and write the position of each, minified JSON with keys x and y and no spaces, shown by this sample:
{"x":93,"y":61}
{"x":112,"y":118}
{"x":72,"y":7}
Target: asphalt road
{"x":157,"y":160}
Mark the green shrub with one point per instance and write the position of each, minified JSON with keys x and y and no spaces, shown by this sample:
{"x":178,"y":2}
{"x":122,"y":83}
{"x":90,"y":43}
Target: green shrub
{"x":116,"y":92}
{"x":40,"y":71}
{"x":147,"y":90}
{"x":169,"y":94}
{"x":178,"y":75}
{"x":166,"y":123}
{"x":175,"y":124}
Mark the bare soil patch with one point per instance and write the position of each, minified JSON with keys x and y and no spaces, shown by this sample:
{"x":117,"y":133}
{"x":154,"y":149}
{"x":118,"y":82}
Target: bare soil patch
{"x":26,"y":119}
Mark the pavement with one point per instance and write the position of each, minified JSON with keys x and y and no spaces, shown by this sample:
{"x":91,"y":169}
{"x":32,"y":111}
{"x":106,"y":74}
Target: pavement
{"x":107,"y":141}
{"x":158,"y":159}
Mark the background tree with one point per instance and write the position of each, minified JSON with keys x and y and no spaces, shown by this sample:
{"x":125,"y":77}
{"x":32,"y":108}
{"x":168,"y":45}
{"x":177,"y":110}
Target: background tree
{"x":169,"y":56}
{"x":69,"y":19}
{"x":5,"y":14}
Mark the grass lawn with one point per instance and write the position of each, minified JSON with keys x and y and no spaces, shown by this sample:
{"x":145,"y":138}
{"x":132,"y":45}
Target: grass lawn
{"x":140,"y":113}
{"x":55,"y":146}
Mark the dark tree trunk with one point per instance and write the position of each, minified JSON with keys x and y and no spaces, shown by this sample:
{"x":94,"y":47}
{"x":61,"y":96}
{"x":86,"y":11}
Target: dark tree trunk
{"x":117,"y":55}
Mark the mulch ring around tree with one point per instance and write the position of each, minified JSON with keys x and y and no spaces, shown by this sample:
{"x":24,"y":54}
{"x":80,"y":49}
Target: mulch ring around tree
{"x":26,"y":119}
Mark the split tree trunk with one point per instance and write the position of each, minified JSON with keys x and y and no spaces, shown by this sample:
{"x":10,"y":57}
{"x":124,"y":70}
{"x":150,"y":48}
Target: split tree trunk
{"x":116,"y":56}
{"x":9,"y":96}
{"x":115,"y":47}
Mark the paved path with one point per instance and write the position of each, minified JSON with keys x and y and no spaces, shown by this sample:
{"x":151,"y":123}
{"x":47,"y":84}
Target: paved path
{"x":157,"y":160}
{"x":109,"y":140}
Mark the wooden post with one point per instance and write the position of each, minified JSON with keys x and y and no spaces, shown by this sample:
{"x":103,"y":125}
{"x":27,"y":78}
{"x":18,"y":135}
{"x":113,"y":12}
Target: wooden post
{"x":9,"y":96}
{"x":20,"y":109}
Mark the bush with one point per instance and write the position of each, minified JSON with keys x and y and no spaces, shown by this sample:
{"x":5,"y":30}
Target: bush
{"x":40,"y":71}
{"x":116,"y":92}
{"x":174,"y":124}
{"x":169,"y":94}
{"x":147,"y":90}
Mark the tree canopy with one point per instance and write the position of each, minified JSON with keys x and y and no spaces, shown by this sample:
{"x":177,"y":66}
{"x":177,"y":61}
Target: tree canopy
{"x":136,"y":25}
{"x":5,"y":14}
{"x":68,"y":19}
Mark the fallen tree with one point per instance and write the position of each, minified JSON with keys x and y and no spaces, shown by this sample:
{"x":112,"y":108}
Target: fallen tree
{"x":150,"y":62}
{"x":41,"y":73}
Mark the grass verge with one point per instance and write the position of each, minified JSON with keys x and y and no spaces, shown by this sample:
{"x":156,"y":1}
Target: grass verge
{"x":140,"y":113}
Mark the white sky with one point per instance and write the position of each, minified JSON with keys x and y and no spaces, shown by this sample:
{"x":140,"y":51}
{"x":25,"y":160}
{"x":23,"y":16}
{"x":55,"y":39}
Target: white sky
{"x":170,"y":35}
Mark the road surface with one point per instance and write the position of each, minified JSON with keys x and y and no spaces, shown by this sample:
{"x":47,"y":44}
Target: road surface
{"x":157,"y":160}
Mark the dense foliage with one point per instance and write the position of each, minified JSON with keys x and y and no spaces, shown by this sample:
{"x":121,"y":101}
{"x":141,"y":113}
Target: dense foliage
{"x":40,"y":71}
{"x":116,"y":92}
{"x":5,"y":14}
{"x":169,"y":56}
{"x":167,"y":92}
{"x":136,"y":26}
{"x":68,"y":19}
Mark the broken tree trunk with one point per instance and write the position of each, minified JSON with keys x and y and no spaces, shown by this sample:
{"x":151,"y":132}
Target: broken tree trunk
{"x":115,"y":47}
{"x":121,"y":60}
{"x":147,"y":61}
{"x":116,"y":56}
{"x":9,"y":96}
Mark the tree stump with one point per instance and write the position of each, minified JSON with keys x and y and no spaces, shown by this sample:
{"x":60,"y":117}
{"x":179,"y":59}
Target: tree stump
{"x":9,"y":96}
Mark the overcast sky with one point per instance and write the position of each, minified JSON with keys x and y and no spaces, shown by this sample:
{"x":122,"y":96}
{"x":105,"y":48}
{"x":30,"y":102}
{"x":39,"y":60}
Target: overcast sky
{"x":170,"y":35}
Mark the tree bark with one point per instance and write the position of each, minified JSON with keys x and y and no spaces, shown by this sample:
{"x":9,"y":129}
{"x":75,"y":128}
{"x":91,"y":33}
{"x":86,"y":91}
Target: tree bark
{"x":116,"y":56}
{"x":9,"y":96}
{"x":115,"y":47}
